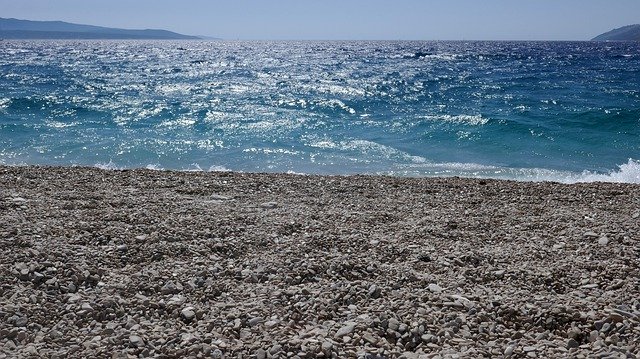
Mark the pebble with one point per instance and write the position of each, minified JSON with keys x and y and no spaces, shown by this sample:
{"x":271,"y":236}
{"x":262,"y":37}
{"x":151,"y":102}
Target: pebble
{"x":367,"y":337}
{"x":275,"y":349}
{"x":572,"y":343}
{"x":434,"y":288}
{"x":136,"y":341}
{"x":345,"y":330}
{"x":269,"y":205}
{"x":261,"y":354}
{"x":188,"y":314}
{"x":603,"y":241}
{"x":169,"y":288}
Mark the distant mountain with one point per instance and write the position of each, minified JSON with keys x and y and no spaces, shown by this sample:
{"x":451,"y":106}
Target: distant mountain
{"x":625,"y":33}
{"x":26,"y":29}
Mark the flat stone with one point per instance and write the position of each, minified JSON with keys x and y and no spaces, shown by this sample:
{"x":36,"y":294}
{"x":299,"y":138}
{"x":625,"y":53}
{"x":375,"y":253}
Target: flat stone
{"x":345,"y":330}
{"x":369,"y":338}
{"x":591,"y":234}
{"x":269,"y":205}
{"x":275,"y":349}
{"x":136,"y":341}
{"x":428,"y":338}
{"x":508,"y":351}
{"x":529,"y":349}
{"x":254,"y":321}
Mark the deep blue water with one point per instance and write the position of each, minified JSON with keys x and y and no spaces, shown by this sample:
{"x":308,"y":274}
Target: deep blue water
{"x":564,"y":111}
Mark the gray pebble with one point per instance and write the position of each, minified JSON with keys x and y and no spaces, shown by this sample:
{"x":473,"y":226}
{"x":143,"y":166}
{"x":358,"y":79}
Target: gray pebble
{"x":345,"y":330}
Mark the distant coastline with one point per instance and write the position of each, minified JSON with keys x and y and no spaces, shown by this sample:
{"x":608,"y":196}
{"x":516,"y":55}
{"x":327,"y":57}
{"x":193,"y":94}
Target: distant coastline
{"x":625,"y":33}
{"x":55,"y":30}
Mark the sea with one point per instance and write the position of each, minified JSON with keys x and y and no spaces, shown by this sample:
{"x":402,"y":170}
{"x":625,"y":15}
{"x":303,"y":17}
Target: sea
{"x":527,"y":111}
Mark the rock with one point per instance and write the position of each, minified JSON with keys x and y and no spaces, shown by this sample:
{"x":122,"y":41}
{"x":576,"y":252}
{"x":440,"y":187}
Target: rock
{"x":188,"y":314}
{"x":269,"y":205}
{"x":374,"y":291}
{"x":254,"y":321}
{"x":429,"y":338}
{"x":508,"y":351}
{"x":603,"y":241}
{"x":327,"y":346}
{"x":122,"y":248}
{"x":345,"y":330}
{"x":216,"y":354}
{"x":574,"y":333}
{"x":434,"y":288}
{"x":572,"y":343}
{"x":591,"y":234}
{"x":616,"y":317}
{"x":529,"y":349}
{"x":275,"y":349}
{"x":21,"y":322}
{"x":38,"y":277}
{"x":394,"y":324}
{"x":367,"y":337}
{"x":136,"y":341}
{"x":499,"y":273}
{"x":169,"y":288}
{"x":261,"y":354}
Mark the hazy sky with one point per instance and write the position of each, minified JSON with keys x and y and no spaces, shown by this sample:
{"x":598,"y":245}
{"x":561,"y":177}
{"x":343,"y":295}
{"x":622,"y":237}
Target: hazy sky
{"x":345,"y":19}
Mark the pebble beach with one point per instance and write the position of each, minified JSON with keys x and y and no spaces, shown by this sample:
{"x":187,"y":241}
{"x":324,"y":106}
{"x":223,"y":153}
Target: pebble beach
{"x":141,"y":263}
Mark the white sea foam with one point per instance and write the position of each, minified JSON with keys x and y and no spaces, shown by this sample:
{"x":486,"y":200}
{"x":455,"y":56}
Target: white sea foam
{"x":218,"y":168}
{"x":107,"y":166}
{"x":474,"y":120}
{"x":4,"y":103}
{"x":626,"y":173}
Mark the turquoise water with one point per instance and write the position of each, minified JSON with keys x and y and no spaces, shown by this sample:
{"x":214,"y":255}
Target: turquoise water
{"x":563,"y":111}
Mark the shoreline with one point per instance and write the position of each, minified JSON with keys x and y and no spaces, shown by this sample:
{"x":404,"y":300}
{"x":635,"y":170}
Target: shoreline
{"x":220,"y":264}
